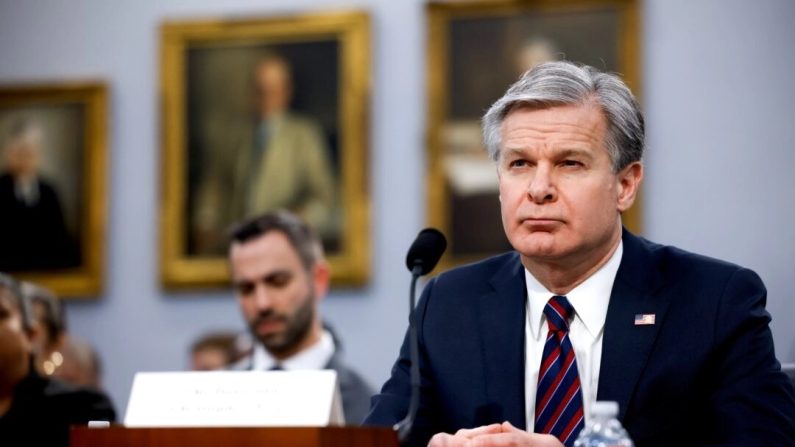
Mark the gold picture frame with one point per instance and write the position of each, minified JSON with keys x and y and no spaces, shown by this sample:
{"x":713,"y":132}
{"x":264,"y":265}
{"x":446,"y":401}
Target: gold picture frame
{"x":53,"y":224}
{"x":476,"y":49}
{"x":213,"y":99}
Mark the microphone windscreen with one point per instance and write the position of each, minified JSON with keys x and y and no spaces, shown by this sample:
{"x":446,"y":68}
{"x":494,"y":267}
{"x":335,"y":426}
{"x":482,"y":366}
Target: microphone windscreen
{"x":426,"y":250}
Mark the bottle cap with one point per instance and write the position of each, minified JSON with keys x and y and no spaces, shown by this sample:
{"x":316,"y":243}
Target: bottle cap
{"x":604,"y":408}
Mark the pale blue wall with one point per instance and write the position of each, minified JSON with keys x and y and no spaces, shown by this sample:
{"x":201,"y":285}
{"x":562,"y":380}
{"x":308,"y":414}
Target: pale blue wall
{"x":717,"y":88}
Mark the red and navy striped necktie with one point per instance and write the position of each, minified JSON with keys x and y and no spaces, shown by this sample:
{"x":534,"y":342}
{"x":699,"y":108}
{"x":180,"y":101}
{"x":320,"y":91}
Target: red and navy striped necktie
{"x":559,"y":408}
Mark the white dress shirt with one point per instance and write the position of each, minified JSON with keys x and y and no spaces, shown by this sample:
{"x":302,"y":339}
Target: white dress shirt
{"x":586,"y":331}
{"x":27,"y":191}
{"x":316,"y":356}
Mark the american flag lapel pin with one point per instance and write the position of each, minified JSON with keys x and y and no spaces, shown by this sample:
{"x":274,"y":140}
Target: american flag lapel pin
{"x":644,"y":319}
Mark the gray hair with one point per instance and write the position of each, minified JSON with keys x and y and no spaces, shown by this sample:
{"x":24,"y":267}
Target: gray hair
{"x":11,"y":292}
{"x":563,"y":83}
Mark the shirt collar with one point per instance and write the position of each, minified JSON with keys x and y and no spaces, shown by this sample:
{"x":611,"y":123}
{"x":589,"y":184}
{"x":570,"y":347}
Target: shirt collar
{"x":273,"y":120}
{"x":589,"y":299}
{"x":316,"y":356}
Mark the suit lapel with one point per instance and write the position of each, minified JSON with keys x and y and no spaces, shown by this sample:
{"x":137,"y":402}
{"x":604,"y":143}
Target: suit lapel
{"x":502,"y":322}
{"x":626,"y":346}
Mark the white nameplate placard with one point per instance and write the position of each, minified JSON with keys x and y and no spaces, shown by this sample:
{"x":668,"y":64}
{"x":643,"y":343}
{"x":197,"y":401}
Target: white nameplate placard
{"x":235,"y":399}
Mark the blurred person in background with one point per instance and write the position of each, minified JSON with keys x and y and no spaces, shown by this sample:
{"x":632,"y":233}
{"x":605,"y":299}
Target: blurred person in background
{"x":36,"y":410}
{"x":283,"y":162}
{"x":58,"y":353}
{"x":280,"y":275}
{"x":218,"y":350}
{"x":33,"y":233}
{"x":81,"y":365}
{"x":50,"y":335}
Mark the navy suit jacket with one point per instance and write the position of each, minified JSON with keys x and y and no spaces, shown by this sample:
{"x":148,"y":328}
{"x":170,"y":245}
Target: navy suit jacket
{"x":704,"y":374}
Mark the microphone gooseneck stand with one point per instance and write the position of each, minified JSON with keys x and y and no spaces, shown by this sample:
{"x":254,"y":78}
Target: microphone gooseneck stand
{"x":403,"y":427}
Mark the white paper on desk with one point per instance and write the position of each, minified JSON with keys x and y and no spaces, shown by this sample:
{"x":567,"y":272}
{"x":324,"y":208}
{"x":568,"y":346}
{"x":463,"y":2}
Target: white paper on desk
{"x":308,"y":398}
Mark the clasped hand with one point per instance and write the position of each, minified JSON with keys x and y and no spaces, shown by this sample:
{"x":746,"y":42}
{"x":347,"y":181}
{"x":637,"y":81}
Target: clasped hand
{"x":494,"y":435}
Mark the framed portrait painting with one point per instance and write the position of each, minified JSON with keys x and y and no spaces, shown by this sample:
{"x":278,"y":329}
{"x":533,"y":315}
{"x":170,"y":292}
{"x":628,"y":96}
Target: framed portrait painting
{"x":52,"y":185}
{"x":260,"y":115}
{"x":476,"y":49}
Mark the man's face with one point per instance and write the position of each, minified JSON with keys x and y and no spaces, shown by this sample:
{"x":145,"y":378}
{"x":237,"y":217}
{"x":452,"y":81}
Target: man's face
{"x":275,"y":292}
{"x":15,"y":346}
{"x":560,"y":199}
{"x":273,"y":88}
{"x":22,"y":158}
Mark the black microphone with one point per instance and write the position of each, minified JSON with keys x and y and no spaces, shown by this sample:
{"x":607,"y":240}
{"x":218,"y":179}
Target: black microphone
{"x":424,"y":253}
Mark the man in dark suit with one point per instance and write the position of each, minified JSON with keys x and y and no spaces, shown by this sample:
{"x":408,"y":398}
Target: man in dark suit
{"x":33,"y":233}
{"x":280,"y":275}
{"x":516,"y":348}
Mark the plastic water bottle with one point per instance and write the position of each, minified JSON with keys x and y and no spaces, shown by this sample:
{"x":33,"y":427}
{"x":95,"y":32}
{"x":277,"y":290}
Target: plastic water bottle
{"x":604,"y":430}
